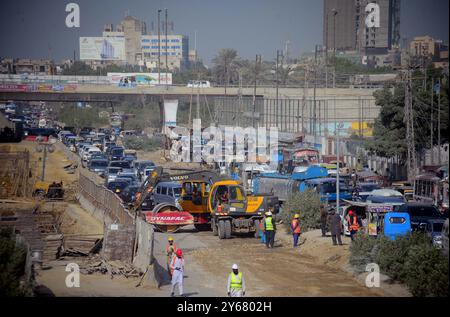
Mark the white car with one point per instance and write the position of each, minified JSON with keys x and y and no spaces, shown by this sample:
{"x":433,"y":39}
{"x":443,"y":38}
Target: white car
{"x":88,"y":153}
{"x":199,"y":84}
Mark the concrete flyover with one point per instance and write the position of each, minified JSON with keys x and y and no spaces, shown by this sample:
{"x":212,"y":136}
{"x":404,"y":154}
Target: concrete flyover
{"x":99,"y":92}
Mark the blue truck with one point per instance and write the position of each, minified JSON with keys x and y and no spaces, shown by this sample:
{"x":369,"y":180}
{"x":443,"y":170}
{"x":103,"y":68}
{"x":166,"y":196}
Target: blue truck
{"x":314,"y":177}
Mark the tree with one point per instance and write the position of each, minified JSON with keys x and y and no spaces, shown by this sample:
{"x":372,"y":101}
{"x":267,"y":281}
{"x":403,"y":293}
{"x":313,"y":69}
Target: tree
{"x":12,"y":265}
{"x":226,"y":66}
{"x":79,"y":68}
{"x":390,"y":129}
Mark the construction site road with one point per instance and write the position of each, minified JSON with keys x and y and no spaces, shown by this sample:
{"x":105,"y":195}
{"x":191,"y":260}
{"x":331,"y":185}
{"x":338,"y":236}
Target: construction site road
{"x":281,"y":271}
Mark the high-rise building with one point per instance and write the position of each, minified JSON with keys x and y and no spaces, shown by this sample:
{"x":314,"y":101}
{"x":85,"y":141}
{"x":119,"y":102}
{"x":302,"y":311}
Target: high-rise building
{"x":379,"y":40}
{"x":339,"y":25}
{"x":133,"y":30}
{"x":177,"y":51}
{"x":345,"y":26}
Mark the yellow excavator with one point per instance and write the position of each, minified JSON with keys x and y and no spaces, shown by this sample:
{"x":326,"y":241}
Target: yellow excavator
{"x":209,"y":201}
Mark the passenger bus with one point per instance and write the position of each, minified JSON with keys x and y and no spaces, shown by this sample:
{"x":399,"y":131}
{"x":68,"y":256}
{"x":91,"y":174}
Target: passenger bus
{"x":431,"y":189}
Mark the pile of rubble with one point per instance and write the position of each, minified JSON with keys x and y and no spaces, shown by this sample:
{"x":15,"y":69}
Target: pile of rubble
{"x":96,"y":264}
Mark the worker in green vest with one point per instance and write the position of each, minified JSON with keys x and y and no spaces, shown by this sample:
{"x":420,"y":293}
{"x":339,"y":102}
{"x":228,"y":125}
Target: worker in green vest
{"x":236,"y":283}
{"x":270,"y":229}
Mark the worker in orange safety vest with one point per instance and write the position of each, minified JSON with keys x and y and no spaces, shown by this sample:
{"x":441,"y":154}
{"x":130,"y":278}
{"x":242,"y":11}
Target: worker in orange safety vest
{"x":353,"y":224}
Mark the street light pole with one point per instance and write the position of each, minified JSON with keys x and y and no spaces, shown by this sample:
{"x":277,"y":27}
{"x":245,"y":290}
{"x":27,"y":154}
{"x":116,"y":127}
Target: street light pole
{"x":338,"y":154}
{"x":335,"y":12}
{"x":159,"y":46}
{"x":167,"y":46}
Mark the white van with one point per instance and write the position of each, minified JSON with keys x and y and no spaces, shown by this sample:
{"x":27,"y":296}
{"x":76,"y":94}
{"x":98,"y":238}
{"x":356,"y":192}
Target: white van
{"x":199,"y":84}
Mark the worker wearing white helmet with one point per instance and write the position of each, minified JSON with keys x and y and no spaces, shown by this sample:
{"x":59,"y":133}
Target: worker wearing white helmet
{"x":236,"y":283}
{"x":269,"y":229}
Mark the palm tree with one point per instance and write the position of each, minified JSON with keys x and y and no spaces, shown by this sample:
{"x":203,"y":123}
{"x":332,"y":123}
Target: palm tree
{"x":225,"y":66}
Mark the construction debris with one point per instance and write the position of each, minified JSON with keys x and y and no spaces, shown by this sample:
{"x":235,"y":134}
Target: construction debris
{"x":96,"y":264}
{"x":81,"y":245}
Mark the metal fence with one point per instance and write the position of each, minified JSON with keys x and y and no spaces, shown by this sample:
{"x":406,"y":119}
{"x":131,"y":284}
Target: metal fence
{"x":104,"y":199}
{"x":295,"y":115}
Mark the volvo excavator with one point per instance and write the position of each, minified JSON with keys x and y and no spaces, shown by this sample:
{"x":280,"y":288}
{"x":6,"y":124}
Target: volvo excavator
{"x":209,"y":201}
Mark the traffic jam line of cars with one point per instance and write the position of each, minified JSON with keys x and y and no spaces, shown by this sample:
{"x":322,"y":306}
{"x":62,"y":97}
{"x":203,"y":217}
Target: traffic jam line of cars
{"x":122,"y":171}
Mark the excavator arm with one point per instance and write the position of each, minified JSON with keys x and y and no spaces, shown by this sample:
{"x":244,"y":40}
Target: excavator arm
{"x":157,"y":176}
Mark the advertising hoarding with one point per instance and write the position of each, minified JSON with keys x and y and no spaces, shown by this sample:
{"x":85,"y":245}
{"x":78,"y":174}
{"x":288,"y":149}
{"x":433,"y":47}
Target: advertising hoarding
{"x":140,"y":78}
{"x":170,"y":113}
{"x":102,"y":48}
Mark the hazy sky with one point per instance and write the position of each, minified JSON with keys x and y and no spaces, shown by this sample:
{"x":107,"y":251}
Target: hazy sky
{"x":36,"y":28}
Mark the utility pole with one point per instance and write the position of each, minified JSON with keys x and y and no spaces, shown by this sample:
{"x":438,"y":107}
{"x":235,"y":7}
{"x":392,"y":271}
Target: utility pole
{"x":439,"y":122}
{"x":159,"y":46}
{"x":167,"y":46}
{"x":335,"y":13}
{"x":277,"y":83}
{"x":432,"y":123}
{"x":338,"y":154}
{"x":314,"y":114}
{"x":257,"y":63}
{"x":409,"y":120}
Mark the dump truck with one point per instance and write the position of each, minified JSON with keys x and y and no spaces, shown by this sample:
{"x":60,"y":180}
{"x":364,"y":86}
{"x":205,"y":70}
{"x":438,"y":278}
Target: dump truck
{"x":202,"y":192}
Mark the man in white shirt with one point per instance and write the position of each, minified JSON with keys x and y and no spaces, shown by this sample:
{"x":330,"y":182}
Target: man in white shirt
{"x":177,"y":268}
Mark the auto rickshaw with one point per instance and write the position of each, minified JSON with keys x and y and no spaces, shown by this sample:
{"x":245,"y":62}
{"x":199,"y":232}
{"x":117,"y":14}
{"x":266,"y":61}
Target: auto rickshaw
{"x":396,"y":224}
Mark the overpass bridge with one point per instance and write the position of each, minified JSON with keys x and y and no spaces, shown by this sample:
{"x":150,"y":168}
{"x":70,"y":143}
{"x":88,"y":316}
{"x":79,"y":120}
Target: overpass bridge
{"x":294,"y":110}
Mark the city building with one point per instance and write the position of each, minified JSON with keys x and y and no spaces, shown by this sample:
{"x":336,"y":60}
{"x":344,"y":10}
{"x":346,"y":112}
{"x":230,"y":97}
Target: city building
{"x":424,"y":46}
{"x":345,"y":28}
{"x":176,"y":49}
{"x":133,"y":30}
{"x":193,"y":56}
{"x":34,"y":66}
{"x":129,"y":43}
{"x":428,"y":49}
{"x":339,"y":25}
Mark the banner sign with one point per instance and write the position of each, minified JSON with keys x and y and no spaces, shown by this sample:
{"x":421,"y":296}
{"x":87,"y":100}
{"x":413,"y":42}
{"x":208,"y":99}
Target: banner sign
{"x":174,"y":218}
{"x":170,"y":113}
{"x":13,"y":87}
{"x":102,"y":48}
{"x":140,"y":78}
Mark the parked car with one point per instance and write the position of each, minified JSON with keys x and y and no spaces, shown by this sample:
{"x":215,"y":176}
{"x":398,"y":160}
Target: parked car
{"x":167,"y":192}
{"x":107,"y":145}
{"x":118,"y":185}
{"x":116,"y":153}
{"x":434,"y":228}
{"x":199,"y":84}
{"x":140,"y":167}
{"x":111,"y":173}
{"x":98,"y":166}
{"x":420,"y":214}
{"x":98,"y":156}
{"x":89,"y":151}
{"x":128,"y":175}
{"x":129,"y":193}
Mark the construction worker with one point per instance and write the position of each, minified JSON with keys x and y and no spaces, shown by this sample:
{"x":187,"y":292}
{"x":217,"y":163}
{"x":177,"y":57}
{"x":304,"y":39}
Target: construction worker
{"x":262,"y":233}
{"x":353,"y":224}
{"x":269,"y":229}
{"x":295,"y":227}
{"x":236,"y":283}
{"x":171,"y":248}
{"x":177,"y":268}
